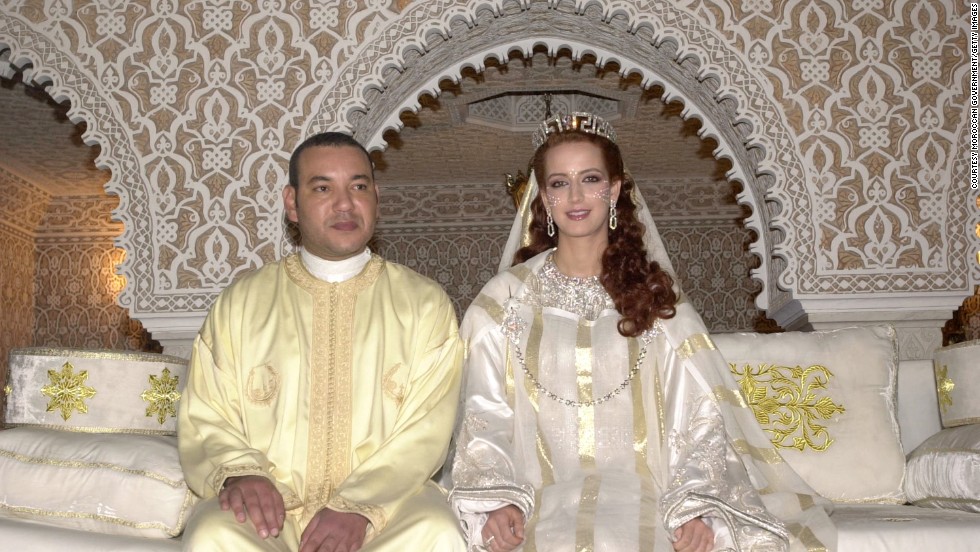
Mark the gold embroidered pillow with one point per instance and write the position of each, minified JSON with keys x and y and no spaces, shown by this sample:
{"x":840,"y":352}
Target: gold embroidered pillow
{"x":826,"y":400}
{"x":108,"y":483}
{"x":957,"y":370}
{"x":94,"y":391}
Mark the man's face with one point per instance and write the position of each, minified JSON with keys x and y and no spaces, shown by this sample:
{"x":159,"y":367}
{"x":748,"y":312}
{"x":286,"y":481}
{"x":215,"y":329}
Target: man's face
{"x":335,"y":202}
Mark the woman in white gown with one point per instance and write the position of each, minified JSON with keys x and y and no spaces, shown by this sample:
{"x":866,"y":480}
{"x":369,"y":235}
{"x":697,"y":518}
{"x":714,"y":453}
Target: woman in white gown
{"x":597,"y":414}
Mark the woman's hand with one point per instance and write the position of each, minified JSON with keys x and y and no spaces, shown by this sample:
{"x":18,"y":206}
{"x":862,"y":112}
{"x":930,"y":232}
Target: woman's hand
{"x":694,"y":536}
{"x":504,"y":529}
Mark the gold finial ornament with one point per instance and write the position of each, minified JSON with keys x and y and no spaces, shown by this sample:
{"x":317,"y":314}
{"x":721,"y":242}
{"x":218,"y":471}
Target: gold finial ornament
{"x":577,"y":121}
{"x":67,"y":391}
{"x":516,"y":185}
{"x":162,"y":396}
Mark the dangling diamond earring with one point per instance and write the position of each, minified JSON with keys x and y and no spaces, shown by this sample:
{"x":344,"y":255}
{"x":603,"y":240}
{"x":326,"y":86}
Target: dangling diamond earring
{"x":613,"y":219}
{"x":551,"y":226}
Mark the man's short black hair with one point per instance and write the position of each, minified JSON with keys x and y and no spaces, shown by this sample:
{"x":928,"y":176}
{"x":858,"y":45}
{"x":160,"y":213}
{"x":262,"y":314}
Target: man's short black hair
{"x":324,"y":139}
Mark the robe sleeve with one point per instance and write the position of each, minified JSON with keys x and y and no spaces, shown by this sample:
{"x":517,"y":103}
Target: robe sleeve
{"x":419,"y":441}
{"x":704,"y":474}
{"x":484,"y":473}
{"x":212,"y":442}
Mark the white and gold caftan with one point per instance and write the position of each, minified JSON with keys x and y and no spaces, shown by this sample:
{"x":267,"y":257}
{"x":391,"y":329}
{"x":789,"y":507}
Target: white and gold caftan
{"x":609,"y":443}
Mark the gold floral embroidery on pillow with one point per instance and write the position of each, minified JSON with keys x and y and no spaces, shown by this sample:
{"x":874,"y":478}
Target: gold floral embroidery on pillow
{"x":788,"y":403}
{"x":944,"y":385}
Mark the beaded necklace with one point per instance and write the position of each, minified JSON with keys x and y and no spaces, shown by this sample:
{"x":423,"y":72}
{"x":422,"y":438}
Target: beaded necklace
{"x":582,"y":296}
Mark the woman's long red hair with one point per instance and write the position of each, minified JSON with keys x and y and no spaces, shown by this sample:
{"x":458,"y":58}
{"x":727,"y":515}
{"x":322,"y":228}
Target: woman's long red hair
{"x":640,"y":289}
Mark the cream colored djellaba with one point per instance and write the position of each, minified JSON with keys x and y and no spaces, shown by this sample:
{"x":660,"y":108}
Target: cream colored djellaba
{"x":643,"y":435}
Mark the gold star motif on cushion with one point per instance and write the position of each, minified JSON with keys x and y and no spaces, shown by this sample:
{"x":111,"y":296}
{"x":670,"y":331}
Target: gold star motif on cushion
{"x":67,"y":391}
{"x":162,"y":396}
{"x":944,"y":385}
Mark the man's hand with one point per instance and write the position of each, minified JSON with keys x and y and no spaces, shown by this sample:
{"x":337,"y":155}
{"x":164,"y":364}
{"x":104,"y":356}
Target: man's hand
{"x":694,"y":536}
{"x":504,"y":529}
{"x":254,"y":497}
{"x":331,"y":531}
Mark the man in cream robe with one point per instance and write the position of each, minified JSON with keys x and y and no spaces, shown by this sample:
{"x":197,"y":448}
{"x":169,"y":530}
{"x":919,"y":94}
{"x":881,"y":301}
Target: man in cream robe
{"x":331,"y":374}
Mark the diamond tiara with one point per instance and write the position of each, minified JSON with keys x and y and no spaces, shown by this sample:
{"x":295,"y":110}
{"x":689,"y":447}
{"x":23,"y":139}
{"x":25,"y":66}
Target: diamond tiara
{"x":580,"y":121}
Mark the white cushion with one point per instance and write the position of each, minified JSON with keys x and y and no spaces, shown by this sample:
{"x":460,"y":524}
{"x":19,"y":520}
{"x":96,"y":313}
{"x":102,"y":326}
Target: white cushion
{"x":108,"y":483}
{"x":894,"y":528}
{"x":958,"y":383}
{"x":918,"y":407}
{"x":31,"y":536}
{"x":827,"y":401}
{"x":944,"y":471}
{"x":94,"y":390}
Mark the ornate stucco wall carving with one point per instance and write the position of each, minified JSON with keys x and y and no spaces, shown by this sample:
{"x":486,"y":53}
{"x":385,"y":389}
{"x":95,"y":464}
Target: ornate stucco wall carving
{"x":76,"y":285}
{"x":842,"y":120}
{"x":21,"y":208}
{"x":58,"y":281}
{"x":855,"y":111}
{"x":22,"y":205}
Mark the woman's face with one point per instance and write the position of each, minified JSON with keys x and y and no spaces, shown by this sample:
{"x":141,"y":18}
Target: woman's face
{"x":577,"y":190}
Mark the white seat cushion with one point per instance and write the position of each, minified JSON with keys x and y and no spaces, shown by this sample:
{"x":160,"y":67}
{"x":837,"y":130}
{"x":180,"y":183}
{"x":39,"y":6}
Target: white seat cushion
{"x":895,"y":528}
{"x":33,"y":536}
{"x":109,"y":483}
{"x":94,"y":391}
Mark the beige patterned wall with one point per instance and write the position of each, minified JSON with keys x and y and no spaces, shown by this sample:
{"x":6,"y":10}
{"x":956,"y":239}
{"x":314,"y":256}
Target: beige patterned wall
{"x":21,"y":208}
{"x":76,"y":304}
{"x":844,"y":121}
{"x":711,"y":264}
{"x":17,"y":296}
{"x":76,"y":281}
{"x":22,"y":204}
{"x":16,"y":290}
{"x":874,"y":99}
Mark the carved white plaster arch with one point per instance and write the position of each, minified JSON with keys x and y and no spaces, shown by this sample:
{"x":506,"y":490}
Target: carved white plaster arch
{"x":374,"y":88}
{"x":46,"y":63}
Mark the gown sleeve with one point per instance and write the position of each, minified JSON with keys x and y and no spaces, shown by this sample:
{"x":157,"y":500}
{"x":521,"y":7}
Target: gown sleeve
{"x":705,"y":478}
{"x":721,"y":464}
{"x":484,"y":473}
